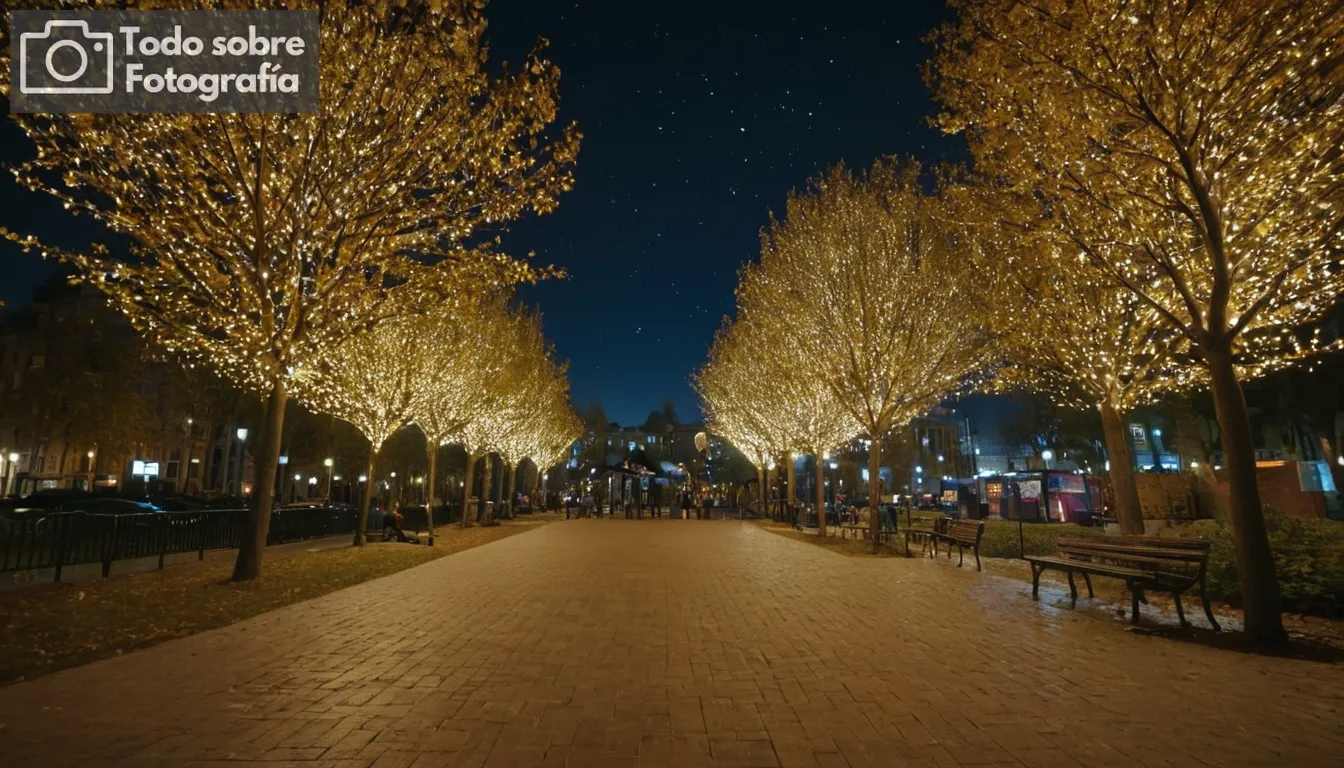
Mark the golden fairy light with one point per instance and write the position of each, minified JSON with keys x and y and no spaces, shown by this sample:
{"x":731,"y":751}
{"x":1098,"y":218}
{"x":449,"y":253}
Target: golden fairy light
{"x":861,"y":281}
{"x":259,"y":241}
{"x":755,"y":376}
{"x":1188,"y":152}
{"x":1073,"y":334}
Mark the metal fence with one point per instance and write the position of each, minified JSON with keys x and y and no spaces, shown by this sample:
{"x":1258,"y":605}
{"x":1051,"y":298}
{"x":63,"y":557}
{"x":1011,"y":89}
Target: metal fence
{"x":59,"y":539}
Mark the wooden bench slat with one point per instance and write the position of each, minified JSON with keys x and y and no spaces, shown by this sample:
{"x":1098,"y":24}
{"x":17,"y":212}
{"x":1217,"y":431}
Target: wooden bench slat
{"x":1169,"y":554}
{"x":1170,"y":565}
{"x":1098,"y":568}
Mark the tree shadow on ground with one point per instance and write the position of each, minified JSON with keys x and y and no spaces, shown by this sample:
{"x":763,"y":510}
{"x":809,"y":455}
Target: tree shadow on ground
{"x":1297,"y":648}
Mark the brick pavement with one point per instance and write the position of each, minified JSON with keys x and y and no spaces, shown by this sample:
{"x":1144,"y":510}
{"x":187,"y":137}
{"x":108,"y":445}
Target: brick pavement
{"x":680,"y":644}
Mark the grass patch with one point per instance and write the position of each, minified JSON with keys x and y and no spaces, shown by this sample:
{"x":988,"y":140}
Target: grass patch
{"x":1000,"y":539}
{"x":850,"y":547}
{"x":49,"y":628}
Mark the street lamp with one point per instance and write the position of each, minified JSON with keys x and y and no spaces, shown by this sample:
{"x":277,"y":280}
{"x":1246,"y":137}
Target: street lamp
{"x":241,"y":432}
{"x":13,"y":472}
{"x":1047,"y":455}
{"x":328,"y":463}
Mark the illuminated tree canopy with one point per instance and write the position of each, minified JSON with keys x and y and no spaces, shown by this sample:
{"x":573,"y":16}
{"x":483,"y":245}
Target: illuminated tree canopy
{"x":1190,"y":152}
{"x":260,"y":241}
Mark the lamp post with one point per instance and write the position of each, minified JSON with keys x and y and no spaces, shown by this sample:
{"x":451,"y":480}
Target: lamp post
{"x":294,"y":487}
{"x":833,"y":467}
{"x":328,"y":463}
{"x":1046,"y":456}
{"x":280,"y":492}
{"x":91,"y":455}
{"x":242,"y":448}
{"x":11,"y":483}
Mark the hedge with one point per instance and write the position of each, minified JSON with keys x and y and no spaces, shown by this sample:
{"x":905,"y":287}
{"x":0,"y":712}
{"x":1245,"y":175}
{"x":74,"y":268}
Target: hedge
{"x":1308,"y":555}
{"x":1001,"y":540}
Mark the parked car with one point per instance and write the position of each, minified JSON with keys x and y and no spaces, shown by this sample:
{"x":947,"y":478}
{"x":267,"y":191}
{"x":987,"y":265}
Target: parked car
{"x":112,"y":505}
{"x":181,"y":502}
{"x":48,"y":500}
{"x":35,"y":508}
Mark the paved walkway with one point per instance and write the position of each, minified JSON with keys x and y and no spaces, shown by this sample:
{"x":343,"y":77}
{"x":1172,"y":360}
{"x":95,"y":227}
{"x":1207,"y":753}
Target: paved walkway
{"x":680,"y":644}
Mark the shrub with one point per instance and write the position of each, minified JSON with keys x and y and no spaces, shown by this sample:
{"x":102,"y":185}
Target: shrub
{"x":1308,"y":556}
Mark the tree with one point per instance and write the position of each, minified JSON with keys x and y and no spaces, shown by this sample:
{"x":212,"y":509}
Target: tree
{"x":1191,"y":153}
{"x":738,"y":398}
{"x":498,"y":371}
{"x":865,"y":282}
{"x":536,"y":392}
{"x":262,"y":240}
{"x":373,"y":381}
{"x":796,"y":412}
{"x":445,"y":395}
{"x":595,"y":425}
{"x":1075,"y":335}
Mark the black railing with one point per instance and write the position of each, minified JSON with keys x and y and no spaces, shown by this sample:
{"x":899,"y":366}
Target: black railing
{"x":60,"y":539}
{"x":415,"y":519}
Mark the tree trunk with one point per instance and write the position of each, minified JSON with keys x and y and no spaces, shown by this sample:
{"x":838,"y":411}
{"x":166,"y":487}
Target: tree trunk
{"x":511,"y":486}
{"x":821,"y":495}
{"x":366,"y":500}
{"x":792,"y":497}
{"x":874,"y":487}
{"x":770,"y":491}
{"x":257,"y":526}
{"x":466,"y":486}
{"x":487,"y":486}
{"x":1260,"y":601}
{"x":431,"y":483}
{"x":226,"y":459}
{"x":1128,"y":511}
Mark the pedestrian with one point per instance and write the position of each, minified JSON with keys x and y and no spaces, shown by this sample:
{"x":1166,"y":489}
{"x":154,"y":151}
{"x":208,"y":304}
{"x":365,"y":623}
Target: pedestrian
{"x":392,"y":523}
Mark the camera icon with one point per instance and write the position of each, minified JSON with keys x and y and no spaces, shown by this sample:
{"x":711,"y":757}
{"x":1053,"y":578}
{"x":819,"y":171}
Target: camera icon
{"x":65,"y":58}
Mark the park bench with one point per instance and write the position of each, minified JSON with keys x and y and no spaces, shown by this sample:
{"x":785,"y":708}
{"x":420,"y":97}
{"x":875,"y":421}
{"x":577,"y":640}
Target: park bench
{"x":859,"y":531}
{"x":1142,"y":562}
{"x":923,"y":534}
{"x":965,"y":534}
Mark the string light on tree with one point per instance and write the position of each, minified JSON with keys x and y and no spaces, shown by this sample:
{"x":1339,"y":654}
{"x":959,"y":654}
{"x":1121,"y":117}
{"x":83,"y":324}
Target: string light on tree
{"x":260,"y":241}
{"x":1187,"y":152}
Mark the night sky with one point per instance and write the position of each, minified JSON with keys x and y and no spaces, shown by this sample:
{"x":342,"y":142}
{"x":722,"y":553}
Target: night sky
{"x":698,"y":118}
